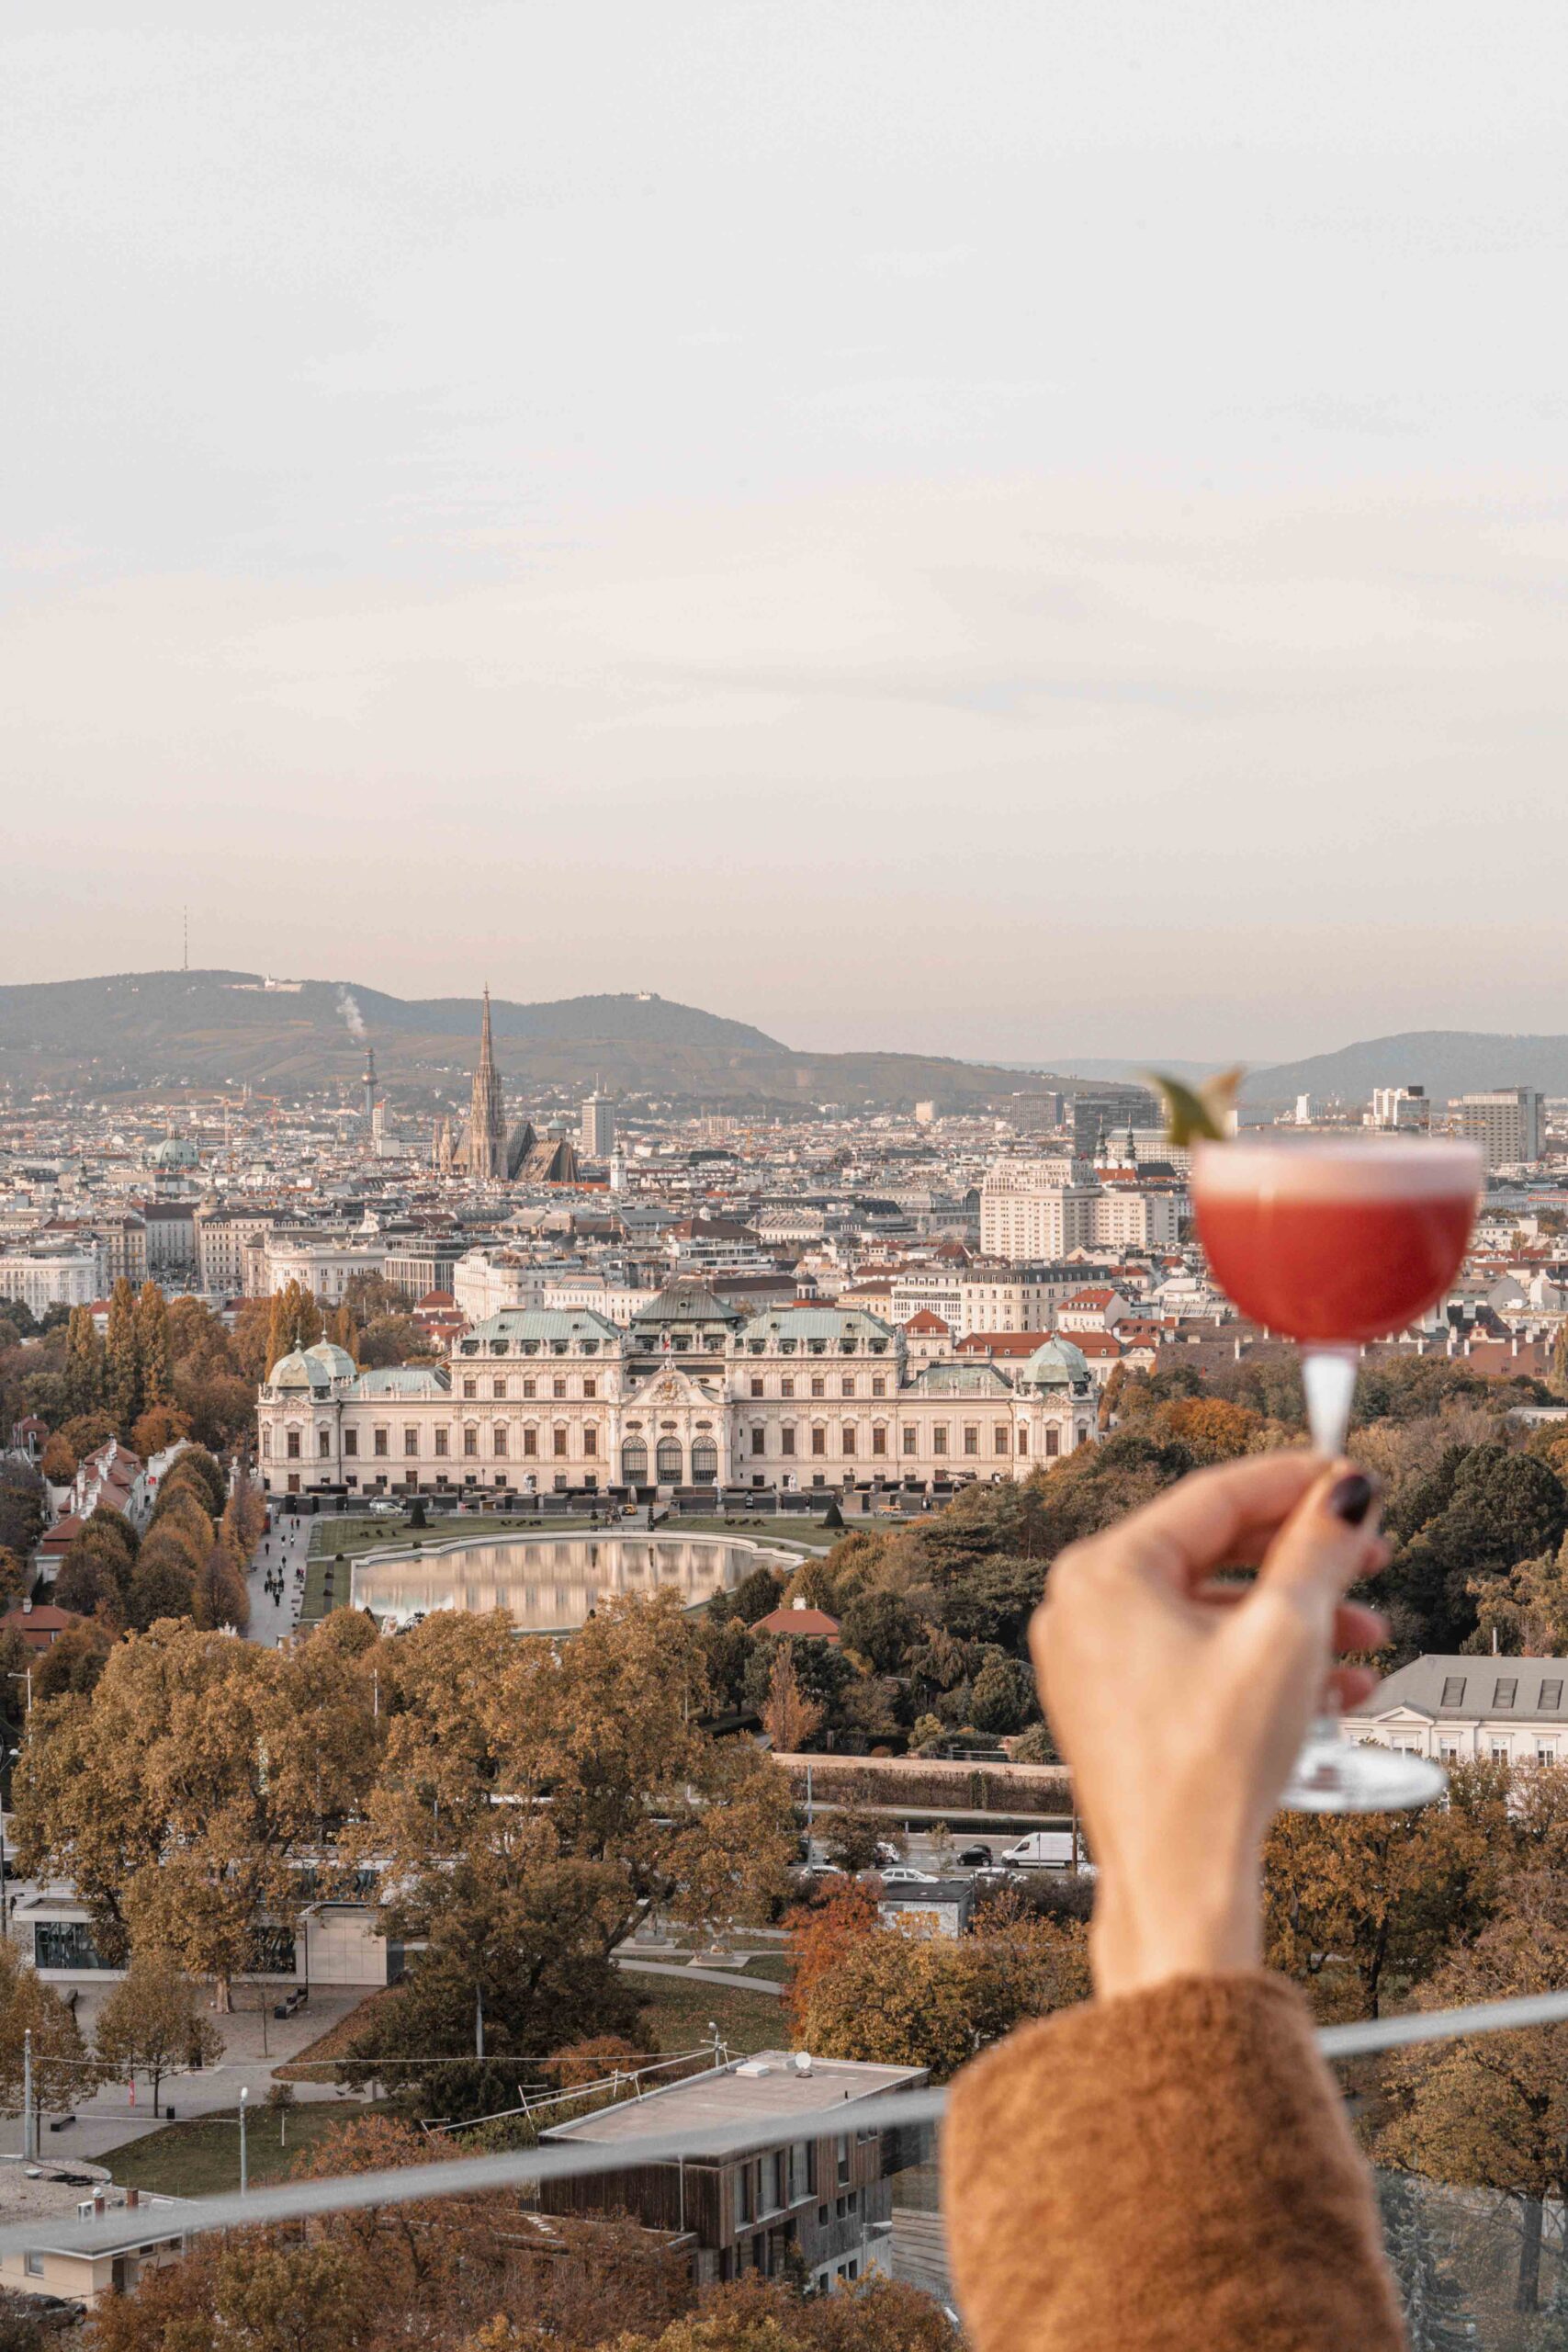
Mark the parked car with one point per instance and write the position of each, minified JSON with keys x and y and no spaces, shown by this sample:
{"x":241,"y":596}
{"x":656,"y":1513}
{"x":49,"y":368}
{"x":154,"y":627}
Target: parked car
{"x":386,"y":1511}
{"x":901,"y":1875}
{"x":975,"y":1857}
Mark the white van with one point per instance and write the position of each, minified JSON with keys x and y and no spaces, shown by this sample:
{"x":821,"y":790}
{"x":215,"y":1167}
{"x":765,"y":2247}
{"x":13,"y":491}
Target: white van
{"x":1046,"y":1849}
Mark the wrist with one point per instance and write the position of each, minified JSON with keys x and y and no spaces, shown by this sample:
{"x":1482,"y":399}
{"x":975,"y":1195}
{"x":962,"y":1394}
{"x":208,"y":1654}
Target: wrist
{"x":1146,"y":1934}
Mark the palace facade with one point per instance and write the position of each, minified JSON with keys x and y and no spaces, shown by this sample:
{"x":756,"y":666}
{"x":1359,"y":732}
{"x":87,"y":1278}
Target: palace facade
{"x":690,"y":1391}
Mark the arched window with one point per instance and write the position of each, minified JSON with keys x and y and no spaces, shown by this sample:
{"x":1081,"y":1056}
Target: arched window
{"x":704,"y":1462}
{"x":634,"y":1463}
{"x":667,"y":1462}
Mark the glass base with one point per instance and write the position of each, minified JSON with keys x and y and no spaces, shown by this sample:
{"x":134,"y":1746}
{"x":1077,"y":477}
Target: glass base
{"x":1337,"y":1775}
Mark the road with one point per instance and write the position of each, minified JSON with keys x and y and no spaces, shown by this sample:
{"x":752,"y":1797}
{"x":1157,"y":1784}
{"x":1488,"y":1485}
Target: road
{"x":284,"y":1548}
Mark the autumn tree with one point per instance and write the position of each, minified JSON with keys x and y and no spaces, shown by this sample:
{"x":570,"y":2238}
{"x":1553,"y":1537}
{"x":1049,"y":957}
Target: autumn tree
{"x":294,"y":1321}
{"x":178,"y":1793}
{"x":909,"y":2000}
{"x":157,"y":1428}
{"x":84,"y":1362}
{"x":152,"y":1328}
{"x":153,"y":2024}
{"x":1523,"y":1611}
{"x":789,"y":1717}
{"x":58,"y":1462}
{"x":122,"y":1368}
{"x":1354,"y":1901}
{"x":61,"y":2071}
{"x":1491,"y":2111}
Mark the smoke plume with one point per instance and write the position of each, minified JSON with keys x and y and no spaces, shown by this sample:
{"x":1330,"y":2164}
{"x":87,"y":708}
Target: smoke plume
{"x":351,"y":1014}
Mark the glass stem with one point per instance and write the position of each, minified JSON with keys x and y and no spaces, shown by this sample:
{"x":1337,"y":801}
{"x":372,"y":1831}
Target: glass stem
{"x":1328,"y":1375}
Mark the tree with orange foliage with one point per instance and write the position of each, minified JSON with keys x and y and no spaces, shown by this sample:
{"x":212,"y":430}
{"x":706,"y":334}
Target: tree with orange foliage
{"x":822,"y":1935}
{"x":1212,"y":1430}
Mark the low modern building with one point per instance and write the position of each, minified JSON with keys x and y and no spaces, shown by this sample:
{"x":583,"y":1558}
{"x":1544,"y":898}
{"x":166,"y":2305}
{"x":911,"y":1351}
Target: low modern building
{"x":823,"y":2199}
{"x":1507,"y":1710}
{"x":938,"y":1906}
{"x":151,"y":2238}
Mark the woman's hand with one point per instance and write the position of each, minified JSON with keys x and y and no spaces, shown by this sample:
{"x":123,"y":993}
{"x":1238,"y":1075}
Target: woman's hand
{"x":1181,"y":1703}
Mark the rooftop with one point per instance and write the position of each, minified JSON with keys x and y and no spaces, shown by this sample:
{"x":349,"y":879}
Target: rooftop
{"x":768,"y":2086}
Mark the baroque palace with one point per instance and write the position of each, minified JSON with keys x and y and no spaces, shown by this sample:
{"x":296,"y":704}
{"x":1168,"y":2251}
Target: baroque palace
{"x":690,"y":1392}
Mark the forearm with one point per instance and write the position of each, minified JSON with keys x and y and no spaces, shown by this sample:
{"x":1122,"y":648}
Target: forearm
{"x":1163,"y":2170}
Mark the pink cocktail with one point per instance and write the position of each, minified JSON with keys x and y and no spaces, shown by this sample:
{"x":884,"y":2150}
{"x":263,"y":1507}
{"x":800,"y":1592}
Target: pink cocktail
{"x":1333,"y":1242}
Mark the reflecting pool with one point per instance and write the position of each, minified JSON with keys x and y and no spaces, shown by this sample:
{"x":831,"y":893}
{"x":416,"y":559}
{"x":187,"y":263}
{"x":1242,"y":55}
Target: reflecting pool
{"x":549,"y":1583}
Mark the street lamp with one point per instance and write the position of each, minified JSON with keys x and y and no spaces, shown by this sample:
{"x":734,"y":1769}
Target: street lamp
{"x":244,"y":2167}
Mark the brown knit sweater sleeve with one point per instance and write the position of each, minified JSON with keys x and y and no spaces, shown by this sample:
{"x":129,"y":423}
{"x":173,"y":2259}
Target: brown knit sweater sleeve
{"x":1166,"y":2172}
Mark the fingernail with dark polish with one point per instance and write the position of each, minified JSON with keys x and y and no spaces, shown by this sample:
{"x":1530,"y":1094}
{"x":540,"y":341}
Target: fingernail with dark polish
{"x":1351,"y":1497}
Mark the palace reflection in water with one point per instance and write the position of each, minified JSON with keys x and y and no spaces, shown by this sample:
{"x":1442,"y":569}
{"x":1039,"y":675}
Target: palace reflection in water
{"x":549,"y":1585}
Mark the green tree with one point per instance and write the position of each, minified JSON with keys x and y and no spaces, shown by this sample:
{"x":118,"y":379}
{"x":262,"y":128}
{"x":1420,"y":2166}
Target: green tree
{"x":153,"y":2023}
{"x":84,"y":1362}
{"x":122,"y":1367}
{"x":1003,"y":1698}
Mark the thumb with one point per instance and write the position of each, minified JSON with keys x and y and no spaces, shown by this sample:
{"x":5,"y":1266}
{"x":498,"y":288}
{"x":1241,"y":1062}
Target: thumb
{"x":1330,"y":1540}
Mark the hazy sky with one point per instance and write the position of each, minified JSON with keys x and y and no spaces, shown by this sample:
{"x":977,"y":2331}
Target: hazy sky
{"x":1003,"y":528}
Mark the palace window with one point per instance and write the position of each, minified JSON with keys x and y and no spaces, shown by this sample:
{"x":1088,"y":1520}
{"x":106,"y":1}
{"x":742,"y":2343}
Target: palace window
{"x":846,"y":1385}
{"x":787,"y":1440}
{"x":498,"y":1439}
{"x":818,"y":1438}
{"x":470,"y":1388}
{"x":411,"y":1442}
{"x":293,"y":1447}
{"x":786,"y":1389}
{"x":818,"y":1386}
{"x":498,"y":1388}
{"x":351,"y":1441}
{"x":470,"y":1440}
{"x":939,"y":1438}
{"x":879,"y":1383}
{"x":379,"y":1444}
{"x":530,"y":1388}
{"x":1053,"y":1438}
{"x":442,"y":1437}
{"x":971,"y":1438}
{"x":756,"y":1387}
{"x":267,"y":1444}
{"x":911,"y":1444}
{"x":879,"y":1437}
{"x":1001,"y":1438}
{"x":559,"y":1440}
{"x":325,"y":1443}
{"x":758,"y":1441}
{"x":530,"y":1440}
{"x":1023,"y":1438}
{"x":847,"y":1437}
{"x":590,"y":1440}
{"x":557,"y":1387}
{"x":591,"y":1388}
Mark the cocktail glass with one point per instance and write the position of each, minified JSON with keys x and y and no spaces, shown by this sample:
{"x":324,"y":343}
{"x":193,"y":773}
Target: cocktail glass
{"x":1333,"y":1242}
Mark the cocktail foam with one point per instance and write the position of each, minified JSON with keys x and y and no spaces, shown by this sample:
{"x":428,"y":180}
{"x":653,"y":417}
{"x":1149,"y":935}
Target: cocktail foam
{"x":1349,"y":1168}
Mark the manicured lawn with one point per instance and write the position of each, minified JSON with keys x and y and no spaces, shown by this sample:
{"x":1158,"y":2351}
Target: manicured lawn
{"x":676,"y":2016}
{"x":202,"y":2158}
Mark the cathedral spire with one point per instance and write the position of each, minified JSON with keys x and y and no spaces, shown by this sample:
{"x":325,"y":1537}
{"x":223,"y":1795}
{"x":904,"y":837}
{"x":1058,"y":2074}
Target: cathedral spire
{"x":487,"y":1115}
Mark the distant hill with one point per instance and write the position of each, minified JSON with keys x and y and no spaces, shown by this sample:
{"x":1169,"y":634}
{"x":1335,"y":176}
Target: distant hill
{"x":128,"y":1032}
{"x":1444,"y":1061}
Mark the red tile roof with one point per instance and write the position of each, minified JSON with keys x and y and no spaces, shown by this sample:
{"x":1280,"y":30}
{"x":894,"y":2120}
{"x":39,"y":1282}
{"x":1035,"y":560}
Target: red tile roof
{"x":809,"y":1624}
